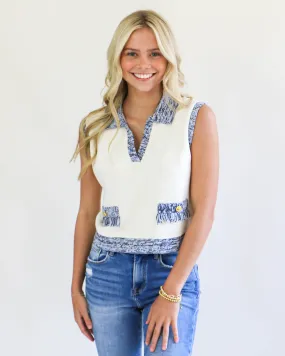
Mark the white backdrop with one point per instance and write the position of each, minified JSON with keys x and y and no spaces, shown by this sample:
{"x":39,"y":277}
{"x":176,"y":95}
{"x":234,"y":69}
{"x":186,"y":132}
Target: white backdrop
{"x":53,"y":64}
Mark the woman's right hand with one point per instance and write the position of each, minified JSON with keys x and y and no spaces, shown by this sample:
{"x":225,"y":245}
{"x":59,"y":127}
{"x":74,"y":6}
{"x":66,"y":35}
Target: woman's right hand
{"x":81,"y":315}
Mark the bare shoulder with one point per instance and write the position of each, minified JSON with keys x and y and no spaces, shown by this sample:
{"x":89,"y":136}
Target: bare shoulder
{"x":206,"y":125}
{"x":206,"y":115}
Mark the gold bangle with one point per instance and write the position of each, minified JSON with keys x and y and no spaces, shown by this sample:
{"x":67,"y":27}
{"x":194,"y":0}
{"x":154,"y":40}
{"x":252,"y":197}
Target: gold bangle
{"x":166,"y":296}
{"x":170,"y":295}
{"x":171,"y":298}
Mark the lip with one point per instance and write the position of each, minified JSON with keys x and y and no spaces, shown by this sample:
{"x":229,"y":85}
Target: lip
{"x":143,"y":79}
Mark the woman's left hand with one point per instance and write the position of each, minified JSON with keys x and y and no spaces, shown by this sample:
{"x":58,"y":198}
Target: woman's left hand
{"x":162,"y":314}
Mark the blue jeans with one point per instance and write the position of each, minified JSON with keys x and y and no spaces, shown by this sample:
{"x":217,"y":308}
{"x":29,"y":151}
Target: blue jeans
{"x":120,"y":289}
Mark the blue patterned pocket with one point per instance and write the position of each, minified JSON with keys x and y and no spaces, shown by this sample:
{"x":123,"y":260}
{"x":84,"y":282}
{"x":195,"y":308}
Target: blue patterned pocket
{"x":172,"y":212}
{"x":111,"y":216}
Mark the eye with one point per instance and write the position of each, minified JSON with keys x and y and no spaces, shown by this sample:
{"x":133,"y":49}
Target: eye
{"x":156,"y":54}
{"x":130,"y":53}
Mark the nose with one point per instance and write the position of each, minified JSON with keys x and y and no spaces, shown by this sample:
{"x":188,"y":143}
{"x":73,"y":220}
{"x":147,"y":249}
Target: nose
{"x":144,"y":62}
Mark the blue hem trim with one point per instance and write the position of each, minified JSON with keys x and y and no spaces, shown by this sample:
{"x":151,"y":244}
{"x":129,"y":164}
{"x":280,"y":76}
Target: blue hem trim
{"x":137,"y":245}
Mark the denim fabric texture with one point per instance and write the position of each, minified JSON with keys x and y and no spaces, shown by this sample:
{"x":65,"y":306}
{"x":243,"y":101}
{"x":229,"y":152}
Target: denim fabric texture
{"x":120,"y":289}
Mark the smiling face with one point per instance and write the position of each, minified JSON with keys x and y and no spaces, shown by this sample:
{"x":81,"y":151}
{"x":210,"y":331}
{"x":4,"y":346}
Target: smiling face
{"x":141,"y":55}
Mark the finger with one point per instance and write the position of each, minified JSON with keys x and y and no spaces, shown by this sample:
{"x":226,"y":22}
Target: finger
{"x":175,"y":331}
{"x":87,"y":319}
{"x":155,"y":337}
{"x":149,"y":332}
{"x":148,"y":317}
{"x":83,"y":329}
{"x":165,"y":335}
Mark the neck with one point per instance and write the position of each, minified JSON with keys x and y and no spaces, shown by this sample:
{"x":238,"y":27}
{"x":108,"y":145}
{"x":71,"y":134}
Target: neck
{"x":140,"y":105}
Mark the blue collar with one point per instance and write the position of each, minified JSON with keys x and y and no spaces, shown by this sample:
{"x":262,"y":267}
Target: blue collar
{"x":163,"y":114}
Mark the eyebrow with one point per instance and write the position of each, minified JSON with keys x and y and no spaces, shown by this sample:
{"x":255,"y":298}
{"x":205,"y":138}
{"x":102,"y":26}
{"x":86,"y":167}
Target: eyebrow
{"x":133,"y":49}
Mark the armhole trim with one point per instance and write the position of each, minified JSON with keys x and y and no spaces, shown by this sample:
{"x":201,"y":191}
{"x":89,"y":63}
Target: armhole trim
{"x":192,"y":120}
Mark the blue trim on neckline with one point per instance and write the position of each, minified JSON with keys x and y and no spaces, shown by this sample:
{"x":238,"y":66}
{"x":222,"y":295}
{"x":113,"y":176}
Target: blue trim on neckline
{"x":163,"y":114}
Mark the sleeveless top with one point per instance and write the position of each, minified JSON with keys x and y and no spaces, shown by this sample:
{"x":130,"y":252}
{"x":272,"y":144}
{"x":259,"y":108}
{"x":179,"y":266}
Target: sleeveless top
{"x":145,"y":205}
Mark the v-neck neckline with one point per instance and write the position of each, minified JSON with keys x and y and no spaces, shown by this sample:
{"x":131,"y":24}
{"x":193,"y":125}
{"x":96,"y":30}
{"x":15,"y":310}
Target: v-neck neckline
{"x":137,"y":156}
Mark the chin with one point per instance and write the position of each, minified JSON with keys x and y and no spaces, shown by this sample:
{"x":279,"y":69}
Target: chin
{"x":142,"y":88}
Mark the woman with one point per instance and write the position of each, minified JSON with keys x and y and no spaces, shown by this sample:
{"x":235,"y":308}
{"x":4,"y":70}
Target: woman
{"x":137,"y":243}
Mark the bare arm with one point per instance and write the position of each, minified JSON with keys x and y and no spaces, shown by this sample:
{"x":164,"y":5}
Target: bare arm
{"x":90,"y":195}
{"x":203,"y":193}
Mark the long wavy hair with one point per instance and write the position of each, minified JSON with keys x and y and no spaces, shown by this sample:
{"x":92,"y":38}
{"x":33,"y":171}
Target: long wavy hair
{"x":94,"y":123}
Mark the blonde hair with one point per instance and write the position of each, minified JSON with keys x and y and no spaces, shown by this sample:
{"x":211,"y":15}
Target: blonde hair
{"x":94,"y":123}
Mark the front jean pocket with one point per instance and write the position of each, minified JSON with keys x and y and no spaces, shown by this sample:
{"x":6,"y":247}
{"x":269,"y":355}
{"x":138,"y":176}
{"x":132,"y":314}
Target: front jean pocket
{"x":167,"y":259}
{"x":172,"y":212}
{"x":111,"y":216}
{"x":98,"y":255}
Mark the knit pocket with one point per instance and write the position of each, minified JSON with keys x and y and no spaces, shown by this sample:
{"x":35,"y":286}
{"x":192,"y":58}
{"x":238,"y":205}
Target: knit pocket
{"x":111,"y":216}
{"x":172,"y":212}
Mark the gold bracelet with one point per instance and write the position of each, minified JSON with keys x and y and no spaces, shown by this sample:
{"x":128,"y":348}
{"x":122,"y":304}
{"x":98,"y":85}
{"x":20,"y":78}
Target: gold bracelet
{"x":167,"y":296}
{"x":171,"y":298}
{"x":170,"y":295}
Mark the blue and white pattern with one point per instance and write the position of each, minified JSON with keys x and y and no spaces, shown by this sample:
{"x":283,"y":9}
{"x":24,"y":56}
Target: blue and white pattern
{"x":192,"y":120}
{"x":135,"y":245}
{"x":111,"y":216}
{"x":164,"y":114}
{"x":172,"y":212}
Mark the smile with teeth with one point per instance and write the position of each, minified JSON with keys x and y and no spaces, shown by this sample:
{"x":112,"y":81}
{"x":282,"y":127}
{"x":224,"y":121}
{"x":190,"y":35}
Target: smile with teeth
{"x":143,"y":76}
